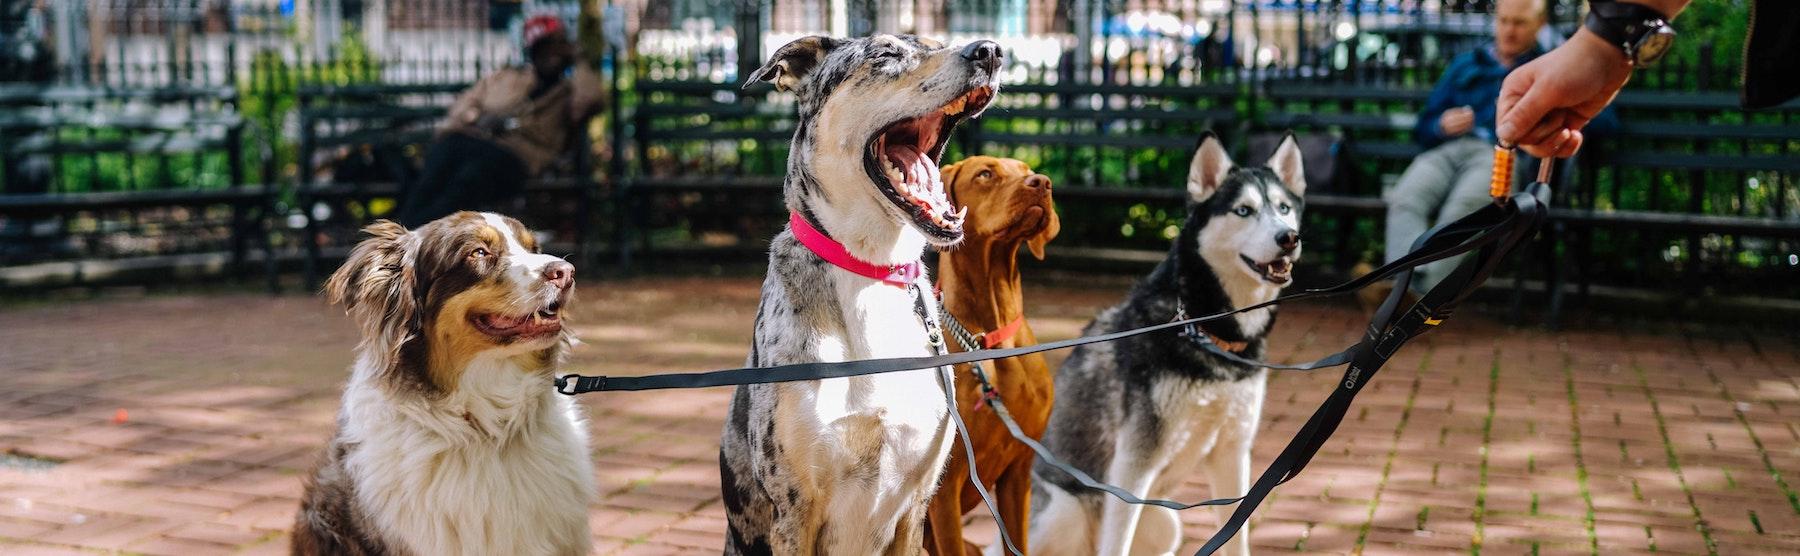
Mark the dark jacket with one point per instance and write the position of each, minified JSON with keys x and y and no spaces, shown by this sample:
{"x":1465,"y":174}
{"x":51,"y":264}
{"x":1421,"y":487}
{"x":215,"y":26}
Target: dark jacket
{"x":1772,"y":53}
{"x":1473,"y":80}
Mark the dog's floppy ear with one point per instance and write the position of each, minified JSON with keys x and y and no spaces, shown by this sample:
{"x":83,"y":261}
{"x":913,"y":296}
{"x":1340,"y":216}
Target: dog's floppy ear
{"x":793,"y":61}
{"x":1037,"y":242}
{"x":947,"y":175}
{"x":376,"y":287}
{"x":1286,"y":162}
{"x":1208,"y":169}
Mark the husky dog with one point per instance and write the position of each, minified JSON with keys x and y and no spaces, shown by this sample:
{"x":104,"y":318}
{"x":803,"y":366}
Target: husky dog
{"x":1152,"y":408}
{"x":846,"y":465}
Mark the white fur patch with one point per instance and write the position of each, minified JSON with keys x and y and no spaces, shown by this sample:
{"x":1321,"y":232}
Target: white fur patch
{"x":498,"y":467}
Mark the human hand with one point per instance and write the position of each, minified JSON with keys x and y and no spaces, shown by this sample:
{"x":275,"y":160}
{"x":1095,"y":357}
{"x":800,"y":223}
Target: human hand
{"x":491,"y":123}
{"x":1544,"y":104}
{"x":1457,"y":121}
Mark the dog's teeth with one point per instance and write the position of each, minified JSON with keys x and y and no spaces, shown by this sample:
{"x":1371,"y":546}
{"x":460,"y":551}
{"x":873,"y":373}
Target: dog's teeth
{"x":956,"y":106}
{"x":962,"y":212}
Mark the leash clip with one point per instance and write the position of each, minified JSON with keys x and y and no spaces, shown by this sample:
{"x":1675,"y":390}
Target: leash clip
{"x":988,"y":395}
{"x":571,"y":384}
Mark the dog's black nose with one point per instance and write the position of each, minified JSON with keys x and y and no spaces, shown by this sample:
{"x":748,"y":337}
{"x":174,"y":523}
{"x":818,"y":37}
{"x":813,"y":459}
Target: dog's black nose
{"x":985,"y":54}
{"x":1289,"y":240}
{"x":560,"y":273}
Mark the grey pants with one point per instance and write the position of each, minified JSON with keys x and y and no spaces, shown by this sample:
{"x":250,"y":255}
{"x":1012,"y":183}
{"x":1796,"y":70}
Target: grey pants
{"x":1445,"y":183}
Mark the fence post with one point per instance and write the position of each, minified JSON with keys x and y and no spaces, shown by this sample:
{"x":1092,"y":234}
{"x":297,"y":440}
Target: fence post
{"x":749,"y":37}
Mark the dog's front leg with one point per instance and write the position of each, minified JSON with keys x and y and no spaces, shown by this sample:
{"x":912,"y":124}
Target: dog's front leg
{"x":796,"y":529}
{"x":1014,"y":492}
{"x":943,"y":525}
{"x":909,"y":538}
{"x":1118,"y":520}
{"x":1228,"y":464}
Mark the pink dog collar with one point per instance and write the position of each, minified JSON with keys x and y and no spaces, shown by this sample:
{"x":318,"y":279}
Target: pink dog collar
{"x":900,"y":275}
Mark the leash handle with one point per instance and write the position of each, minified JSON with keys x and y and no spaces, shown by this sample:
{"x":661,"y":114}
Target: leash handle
{"x":1500,"y":184}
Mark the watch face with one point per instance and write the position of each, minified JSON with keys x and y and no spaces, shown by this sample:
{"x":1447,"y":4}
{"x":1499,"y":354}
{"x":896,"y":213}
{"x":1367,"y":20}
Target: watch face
{"x":1653,"y":46}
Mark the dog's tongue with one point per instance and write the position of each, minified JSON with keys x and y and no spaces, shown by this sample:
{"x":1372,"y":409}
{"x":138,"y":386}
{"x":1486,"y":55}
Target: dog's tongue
{"x":917,"y":168}
{"x":506,"y":323}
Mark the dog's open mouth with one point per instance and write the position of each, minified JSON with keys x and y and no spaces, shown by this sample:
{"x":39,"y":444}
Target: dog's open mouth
{"x":903,"y":159}
{"x":1279,"y":271}
{"x":543,"y":322}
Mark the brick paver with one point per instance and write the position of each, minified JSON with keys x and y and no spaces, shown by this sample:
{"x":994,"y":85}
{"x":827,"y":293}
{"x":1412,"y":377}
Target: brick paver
{"x":183,"y":424}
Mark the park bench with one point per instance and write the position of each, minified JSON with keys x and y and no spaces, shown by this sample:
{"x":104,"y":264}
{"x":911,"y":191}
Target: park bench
{"x":384,"y":131}
{"x":708,"y":154}
{"x":1656,"y":135}
{"x":1112,"y":150}
{"x":104,"y":182}
{"x":711,"y":152}
{"x":1374,"y":127}
{"x":1670,"y":137}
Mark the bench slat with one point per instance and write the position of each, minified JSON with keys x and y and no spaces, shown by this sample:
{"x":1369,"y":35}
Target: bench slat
{"x":17,"y":203}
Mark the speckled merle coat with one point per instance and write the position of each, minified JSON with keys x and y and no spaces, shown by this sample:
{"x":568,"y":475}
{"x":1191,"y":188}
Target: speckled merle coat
{"x":843,"y":466}
{"x":1143,"y":412}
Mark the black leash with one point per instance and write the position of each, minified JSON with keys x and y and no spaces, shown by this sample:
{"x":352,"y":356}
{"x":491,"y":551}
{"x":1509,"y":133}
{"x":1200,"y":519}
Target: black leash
{"x":1471,"y":232}
{"x":1492,"y":231}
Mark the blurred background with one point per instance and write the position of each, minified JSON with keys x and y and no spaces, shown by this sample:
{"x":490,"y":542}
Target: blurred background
{"x":1626,"y":383}
{"x":144,"y":141}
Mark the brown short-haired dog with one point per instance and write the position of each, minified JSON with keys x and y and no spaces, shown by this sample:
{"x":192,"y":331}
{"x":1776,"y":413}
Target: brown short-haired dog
{"x":1008,"y":205}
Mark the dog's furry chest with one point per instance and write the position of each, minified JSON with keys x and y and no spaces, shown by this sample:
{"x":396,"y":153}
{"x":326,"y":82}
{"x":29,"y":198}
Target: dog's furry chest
{"x":861,"y":453}
{"x":467,"y":475}
{"x":821,"y":313}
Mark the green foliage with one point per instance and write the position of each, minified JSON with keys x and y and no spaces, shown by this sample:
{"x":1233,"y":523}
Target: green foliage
{"x":1722,"y":25}
{"x":268,"y":97}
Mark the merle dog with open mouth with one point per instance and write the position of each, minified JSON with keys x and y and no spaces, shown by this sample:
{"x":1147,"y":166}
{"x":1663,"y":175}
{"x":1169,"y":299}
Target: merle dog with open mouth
{"x":1152,"y":408}
{"x":846,"y":465}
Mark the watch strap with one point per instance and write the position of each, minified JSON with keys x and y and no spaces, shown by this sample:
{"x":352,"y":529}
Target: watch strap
{"x":1622,"y":24}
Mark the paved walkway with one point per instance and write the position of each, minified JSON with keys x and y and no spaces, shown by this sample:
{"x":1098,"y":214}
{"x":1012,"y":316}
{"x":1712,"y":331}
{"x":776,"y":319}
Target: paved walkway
{"x":183,"y":424}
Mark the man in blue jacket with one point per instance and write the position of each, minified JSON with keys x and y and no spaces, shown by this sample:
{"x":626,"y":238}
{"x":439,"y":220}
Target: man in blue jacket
{"x":1450,"y":180}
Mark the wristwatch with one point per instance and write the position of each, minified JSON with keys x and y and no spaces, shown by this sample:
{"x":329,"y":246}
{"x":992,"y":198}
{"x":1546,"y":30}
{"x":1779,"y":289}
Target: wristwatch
{"x":1642,"y":33}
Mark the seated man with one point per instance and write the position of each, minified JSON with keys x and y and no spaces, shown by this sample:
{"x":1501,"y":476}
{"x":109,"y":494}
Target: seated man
{"x":1450,"y":180}
{"x":506,"y":128}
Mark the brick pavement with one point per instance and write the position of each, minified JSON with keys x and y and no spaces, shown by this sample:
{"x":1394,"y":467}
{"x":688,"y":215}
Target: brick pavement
{"x":181,"y":424}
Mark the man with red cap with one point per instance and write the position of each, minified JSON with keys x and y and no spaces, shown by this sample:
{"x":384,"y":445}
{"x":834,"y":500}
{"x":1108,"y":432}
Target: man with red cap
{"x":506,"y":128}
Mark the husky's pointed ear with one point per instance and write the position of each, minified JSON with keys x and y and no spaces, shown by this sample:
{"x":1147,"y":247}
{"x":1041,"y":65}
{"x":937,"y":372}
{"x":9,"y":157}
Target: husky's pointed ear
{"x":792,"y":62}
{"x":1208,"y":170}
{"x":1286,"y":164}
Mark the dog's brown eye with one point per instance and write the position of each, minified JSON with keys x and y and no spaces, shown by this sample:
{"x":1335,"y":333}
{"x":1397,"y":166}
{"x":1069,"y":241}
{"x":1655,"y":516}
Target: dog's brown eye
{"x":479,"y":253}
{"x":985,"y":175}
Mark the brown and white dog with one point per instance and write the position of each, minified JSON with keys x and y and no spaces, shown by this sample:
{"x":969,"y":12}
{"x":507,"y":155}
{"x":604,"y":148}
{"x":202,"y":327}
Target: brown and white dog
{"x":1008,"y":205}
{"x":450,"y":439}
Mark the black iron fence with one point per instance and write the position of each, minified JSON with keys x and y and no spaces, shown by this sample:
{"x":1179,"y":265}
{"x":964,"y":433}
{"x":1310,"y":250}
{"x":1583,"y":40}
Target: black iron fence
{"x":1104,"y":96}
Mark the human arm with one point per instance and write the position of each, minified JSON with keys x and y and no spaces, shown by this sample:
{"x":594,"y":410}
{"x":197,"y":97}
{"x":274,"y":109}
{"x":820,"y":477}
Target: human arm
{"x":589,"y":94}
{"x":1544,"y":104}
{"x":467,"y":107}
{"x":1428,"y":132}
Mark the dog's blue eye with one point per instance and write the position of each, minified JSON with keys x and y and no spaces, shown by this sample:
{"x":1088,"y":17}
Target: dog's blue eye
{"x":1286,"y":209}
{"x":1242,"y":211}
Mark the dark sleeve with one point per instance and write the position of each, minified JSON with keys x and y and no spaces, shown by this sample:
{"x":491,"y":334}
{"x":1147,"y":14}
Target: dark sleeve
{"x":1771,"y":62}
{"x":1426,"y":131}
{"x":1605,"y":123}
